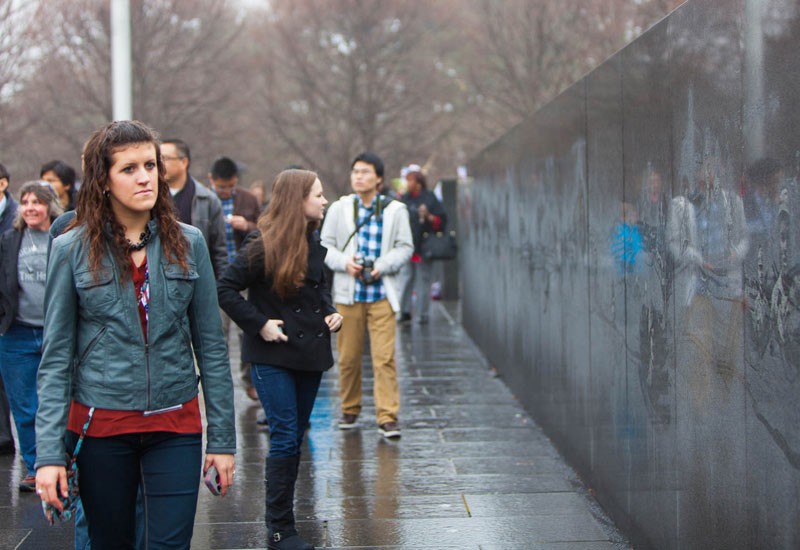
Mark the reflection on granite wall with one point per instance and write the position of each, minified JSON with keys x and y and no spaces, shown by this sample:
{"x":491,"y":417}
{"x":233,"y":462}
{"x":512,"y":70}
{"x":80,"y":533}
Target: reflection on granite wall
{"x":630,"y":265}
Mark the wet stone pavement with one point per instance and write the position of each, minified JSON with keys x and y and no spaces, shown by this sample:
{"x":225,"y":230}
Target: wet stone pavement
{"x":471,"y":471}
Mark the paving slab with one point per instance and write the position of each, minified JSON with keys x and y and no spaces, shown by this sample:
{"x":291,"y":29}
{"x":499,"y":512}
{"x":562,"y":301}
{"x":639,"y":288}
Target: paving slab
{"x":471,"y":471}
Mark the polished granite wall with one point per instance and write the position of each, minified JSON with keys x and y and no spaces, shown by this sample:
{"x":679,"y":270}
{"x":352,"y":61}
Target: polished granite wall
{"x":629,"y":259}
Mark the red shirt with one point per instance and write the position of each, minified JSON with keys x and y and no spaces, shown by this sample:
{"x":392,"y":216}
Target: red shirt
{"x":108,"y":422}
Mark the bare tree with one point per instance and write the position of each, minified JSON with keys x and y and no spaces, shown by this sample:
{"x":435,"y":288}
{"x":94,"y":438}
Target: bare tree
{"x":17,"y":60}
{"x":183,"y":69}
{"x":311,"y":82}
{"x":339,"y":77}
{"x":525,"y":53}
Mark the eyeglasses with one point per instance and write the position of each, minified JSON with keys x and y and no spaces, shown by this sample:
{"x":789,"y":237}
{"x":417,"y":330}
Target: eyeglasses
{"x":362,"y":171}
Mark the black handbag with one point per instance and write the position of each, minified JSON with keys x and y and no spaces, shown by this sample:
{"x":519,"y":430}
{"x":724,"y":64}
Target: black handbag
{"x":439,"y":246}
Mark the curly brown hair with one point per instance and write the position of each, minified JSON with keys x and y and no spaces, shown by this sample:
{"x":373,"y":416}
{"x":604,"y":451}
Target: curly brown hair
{"x":285,"y":231}
{"x":94,"y":208}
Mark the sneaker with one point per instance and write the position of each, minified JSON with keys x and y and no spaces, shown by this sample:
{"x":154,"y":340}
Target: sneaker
{"x":348,"y":421}
{"x":389,"y":430}
{"x":404,"y":318}
{"x":28,"y":484}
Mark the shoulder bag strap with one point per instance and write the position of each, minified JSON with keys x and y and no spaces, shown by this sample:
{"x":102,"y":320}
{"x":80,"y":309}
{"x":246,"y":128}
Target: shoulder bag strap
{"x":363,"y":223}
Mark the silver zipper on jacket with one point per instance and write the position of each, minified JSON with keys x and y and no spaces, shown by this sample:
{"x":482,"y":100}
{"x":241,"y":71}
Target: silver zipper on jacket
{"x":91,"y":345}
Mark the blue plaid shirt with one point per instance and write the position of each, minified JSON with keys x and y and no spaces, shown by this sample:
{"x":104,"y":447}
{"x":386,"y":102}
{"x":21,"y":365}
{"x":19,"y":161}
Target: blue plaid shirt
{"x":227,"y":210}
{"x":369,"y":246}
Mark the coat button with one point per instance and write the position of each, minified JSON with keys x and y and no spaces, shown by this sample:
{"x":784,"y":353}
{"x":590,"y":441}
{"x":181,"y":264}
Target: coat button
{"x":300,"y":334}
{"x":320,"y":334}
{"x":316,"y":285}
{"x":297,"y":309}
{"x":317,"y":310}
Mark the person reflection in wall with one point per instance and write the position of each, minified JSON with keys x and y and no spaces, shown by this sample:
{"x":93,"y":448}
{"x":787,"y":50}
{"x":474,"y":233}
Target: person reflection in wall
{"x":655,"y":289}
{"x":708,"y":241}
{"x":627,"y":243}
{"x":772,"y":287}
{"x":768,"y":250}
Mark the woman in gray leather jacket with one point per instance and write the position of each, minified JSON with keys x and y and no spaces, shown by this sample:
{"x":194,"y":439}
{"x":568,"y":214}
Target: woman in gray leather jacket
{"x":130,"y":307}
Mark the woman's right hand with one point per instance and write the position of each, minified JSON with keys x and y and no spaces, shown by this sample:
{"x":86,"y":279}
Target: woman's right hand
{"x":272,"y":332}
{"x":48,"y":480}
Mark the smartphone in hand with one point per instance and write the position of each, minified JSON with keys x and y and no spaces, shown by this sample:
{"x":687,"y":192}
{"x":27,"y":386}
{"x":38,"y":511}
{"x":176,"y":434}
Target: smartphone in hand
{"x":213,"y":482}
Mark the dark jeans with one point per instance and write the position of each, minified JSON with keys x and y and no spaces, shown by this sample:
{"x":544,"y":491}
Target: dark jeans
{"x":167,"y":465}
{"x":287,"y":397}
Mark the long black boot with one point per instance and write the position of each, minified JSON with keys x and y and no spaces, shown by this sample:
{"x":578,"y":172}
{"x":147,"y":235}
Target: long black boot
{"x":281,"y":476}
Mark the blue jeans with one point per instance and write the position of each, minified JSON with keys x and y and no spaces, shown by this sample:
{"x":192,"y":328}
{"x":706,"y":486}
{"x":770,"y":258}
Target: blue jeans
{"x":166,"y":465}
{"x":288,"y":398}
{"x":20,"y":355}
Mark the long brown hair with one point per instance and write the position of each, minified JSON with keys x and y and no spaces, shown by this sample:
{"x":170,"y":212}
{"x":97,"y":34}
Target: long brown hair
{"x":285,"y":230}
{"x":94,"y":207}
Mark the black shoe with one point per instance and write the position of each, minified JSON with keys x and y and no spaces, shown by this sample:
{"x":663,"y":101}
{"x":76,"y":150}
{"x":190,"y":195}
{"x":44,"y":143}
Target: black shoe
{"x":277,"y":541}
{"x":348,"y":421}
{"x":404,"y":318}
{"x":389,"y":430}
{"x":28,"y":484}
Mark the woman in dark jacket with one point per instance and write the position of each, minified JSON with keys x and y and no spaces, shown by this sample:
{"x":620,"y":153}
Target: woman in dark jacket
{"x":23,"y":267}
{"x":287,"y":321}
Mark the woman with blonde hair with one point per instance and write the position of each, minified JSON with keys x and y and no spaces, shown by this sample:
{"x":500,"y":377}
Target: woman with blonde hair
{"x":287,"y":321}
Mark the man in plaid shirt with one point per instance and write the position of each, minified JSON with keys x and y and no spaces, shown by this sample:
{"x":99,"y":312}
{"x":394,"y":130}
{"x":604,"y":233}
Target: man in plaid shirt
{"x":368,"y":238}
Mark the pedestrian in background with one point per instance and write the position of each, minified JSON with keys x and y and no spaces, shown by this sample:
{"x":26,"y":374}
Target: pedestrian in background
{"x":130,"y":308}
{"x":23,"y":269}
{"x":8,"y":206}
{"x":8,"y":213}
{"x":62,"y":178}
{"x":195,"y":203}
{"x":426,"y":216}
{"x":368,"y":240}
{"x":241,"y":210}
{"x":287,"y":321}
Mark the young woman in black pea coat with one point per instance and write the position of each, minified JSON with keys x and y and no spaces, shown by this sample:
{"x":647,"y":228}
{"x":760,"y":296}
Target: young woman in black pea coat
{"x":287,"y":321}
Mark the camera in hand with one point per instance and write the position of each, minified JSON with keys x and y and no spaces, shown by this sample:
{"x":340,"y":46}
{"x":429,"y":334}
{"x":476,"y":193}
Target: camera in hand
{"x":368,"y":265}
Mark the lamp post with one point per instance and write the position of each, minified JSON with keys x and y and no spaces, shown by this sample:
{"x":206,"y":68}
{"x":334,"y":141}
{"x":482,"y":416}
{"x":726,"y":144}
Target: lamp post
{"x":121,"y":83}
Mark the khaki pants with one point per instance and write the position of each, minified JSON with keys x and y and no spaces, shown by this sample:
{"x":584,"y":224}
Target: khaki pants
{"x":378,"y":319}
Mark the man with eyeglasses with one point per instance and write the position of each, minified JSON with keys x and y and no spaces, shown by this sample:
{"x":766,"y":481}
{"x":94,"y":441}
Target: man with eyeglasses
{"x":368,"y":238}
{"x":241,"y":210}
{"x":196,"y":204}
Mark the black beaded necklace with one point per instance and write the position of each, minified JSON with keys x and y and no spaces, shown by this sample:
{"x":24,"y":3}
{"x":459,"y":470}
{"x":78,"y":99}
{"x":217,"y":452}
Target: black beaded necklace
{"x":144,"y":238}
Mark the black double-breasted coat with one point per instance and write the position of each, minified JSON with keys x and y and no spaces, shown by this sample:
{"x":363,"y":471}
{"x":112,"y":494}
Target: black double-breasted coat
{"x":309,"y":340}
